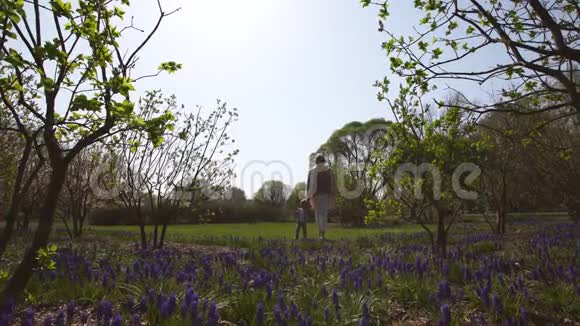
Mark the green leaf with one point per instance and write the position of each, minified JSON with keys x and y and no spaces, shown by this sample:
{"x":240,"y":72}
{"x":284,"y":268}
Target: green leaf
{"x":395,"y":62}
{"x":384,"y":12}
{"x":389,"y":46}
{"x":118,"y":12}
{"x":14,"y":58}
{"x":365,"y":3}
{"x":125,"y":88}
{"x":61,"y":8}
{"x":530,"y":85}
{"x":170,"y":66}
{"x":81,"y":102}
{"x":469,"y":30}
{"x":437,"y":53}
{"x":47,"y":83}
{"x":124,"y":108}
{"x":452,"y":25}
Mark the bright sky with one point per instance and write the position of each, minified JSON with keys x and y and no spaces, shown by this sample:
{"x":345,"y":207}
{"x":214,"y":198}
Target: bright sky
{"x":296,"y":70}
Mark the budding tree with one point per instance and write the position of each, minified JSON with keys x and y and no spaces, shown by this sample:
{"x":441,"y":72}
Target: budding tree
{"x":161,"y":180}
{"x":535,"y":47}
{"x":82,"y":78}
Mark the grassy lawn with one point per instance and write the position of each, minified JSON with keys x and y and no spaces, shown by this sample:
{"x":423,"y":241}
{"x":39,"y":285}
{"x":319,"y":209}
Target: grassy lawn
{"x":274,"y":230}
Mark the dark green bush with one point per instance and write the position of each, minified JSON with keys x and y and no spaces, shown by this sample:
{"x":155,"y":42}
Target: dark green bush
{"x":207,"y":212}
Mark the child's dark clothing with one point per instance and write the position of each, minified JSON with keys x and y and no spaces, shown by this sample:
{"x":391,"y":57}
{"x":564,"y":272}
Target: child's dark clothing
{"x":301,"y":217}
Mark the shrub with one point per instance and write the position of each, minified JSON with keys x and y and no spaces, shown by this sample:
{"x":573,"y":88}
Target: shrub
{"x":207,"y":212}
{"x":111,"y":216}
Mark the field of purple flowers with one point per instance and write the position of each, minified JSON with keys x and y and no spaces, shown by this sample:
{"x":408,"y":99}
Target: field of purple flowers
{"x":531,"y":277}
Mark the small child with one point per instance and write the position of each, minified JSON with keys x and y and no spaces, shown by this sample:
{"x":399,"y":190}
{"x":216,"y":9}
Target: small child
{"x":301,"y":216}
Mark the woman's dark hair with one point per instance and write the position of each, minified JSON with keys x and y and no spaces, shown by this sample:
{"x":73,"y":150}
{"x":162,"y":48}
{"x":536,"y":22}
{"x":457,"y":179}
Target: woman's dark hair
{"x":319,"y":159}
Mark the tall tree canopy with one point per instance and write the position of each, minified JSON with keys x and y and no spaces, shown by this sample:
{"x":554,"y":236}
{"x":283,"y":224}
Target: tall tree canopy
{"x":350,"y":151}
{"x":273,"y":192}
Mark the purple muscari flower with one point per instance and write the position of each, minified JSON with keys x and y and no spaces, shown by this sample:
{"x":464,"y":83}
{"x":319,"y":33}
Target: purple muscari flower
{"x":105,"y":311}
{"x":335,"y":300}
{"x":460,"y":294}
{"x":213,"y":314}
{"x":136,"y":320}
{"x":27,"y":317}
{"x":293,"y":310}
{"x":481,"y":319}
{"x":165,"y":309}
{"x":260,"y":314}
{"x":5,"y":319}
{"x":143,"y":304}
{"x":84,"y":317}
{"x":523,"y":317}
{"x":60,"y":319}
{"x":363,"y":321}
{"x":194,"y":308}
{"x":444,"y":291}
{"x":189,"y":296}
{"x":204,"y":305}
{"x":445,"y":269}
{"x":308,"y":321}
{"x":278,"y":315}
{"x":365,"y":310}
{"x":484,"y":295}
{"x":497,"y":304}
{"x":117,"y":320}
{"x":151,"y":294}
{"x":161,"y":299}
{"x":445,"y":315}
{"x":269,"y":291}
{"x":130,"y":303}
{"x":300,"y":320}
{"x":327,"y":314}
{"x":172,"y":303}
{"x":70,"y":310}
{"x":47,"y":320}
{"x":183,"y":309}
{"x":433,"y":298}
{"x":281,"y":302}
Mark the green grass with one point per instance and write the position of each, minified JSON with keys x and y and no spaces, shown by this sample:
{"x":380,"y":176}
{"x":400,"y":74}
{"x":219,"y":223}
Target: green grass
{"x":275,"y":230}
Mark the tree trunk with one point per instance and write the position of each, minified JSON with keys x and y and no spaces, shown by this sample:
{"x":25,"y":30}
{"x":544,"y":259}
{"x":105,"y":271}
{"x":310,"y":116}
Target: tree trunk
{"x":67,"y":228}
{"x":8,"y":230}
{"x":75,"y":220}
{"x":162,"y":238}
{"x":24,"y":271}
{"x":501,"y":216}
{"x":155,"y":233}
{"x":500,"y":221}
{"x":143,"y":235}
{"x":16,"y":198}
{"x":441,"y":232}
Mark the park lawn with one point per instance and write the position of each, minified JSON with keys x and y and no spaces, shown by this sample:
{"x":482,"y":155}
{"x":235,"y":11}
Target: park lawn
{"x":265,"y":230}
